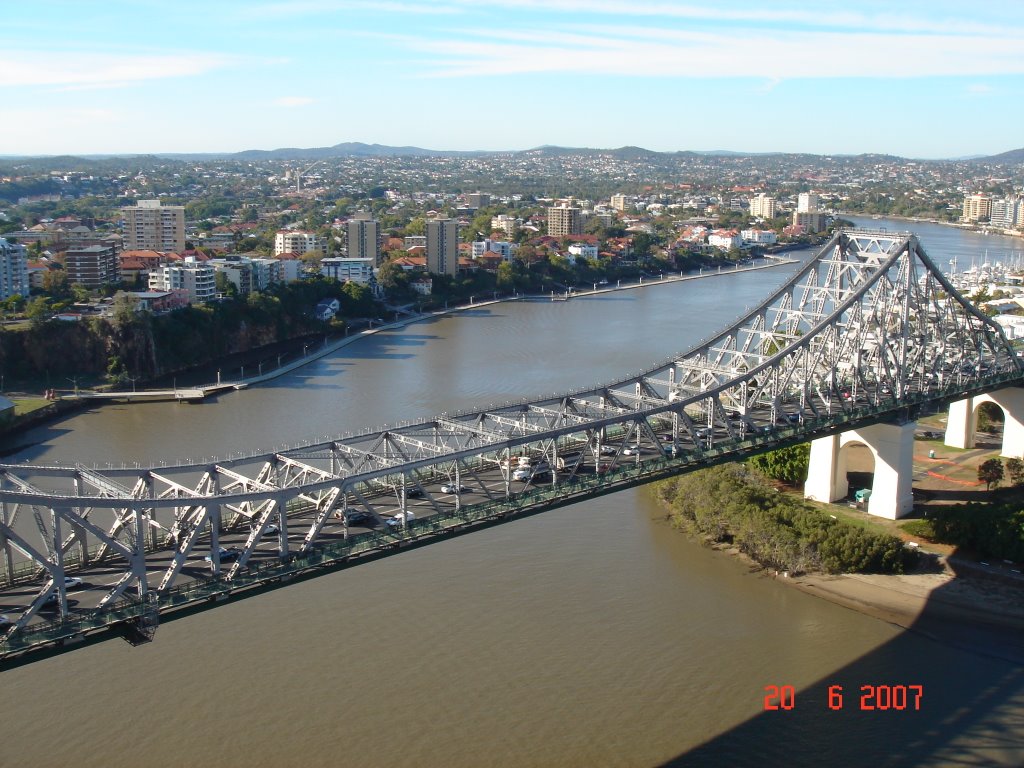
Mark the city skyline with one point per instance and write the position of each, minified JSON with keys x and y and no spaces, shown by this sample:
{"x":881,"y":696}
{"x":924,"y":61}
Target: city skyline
{"x":931,"y":80}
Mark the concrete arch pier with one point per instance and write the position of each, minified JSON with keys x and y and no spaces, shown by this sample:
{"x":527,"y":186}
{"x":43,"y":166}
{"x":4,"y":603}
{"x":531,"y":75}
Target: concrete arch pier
{"x":962,"y":423}
{"x":891,"y":447}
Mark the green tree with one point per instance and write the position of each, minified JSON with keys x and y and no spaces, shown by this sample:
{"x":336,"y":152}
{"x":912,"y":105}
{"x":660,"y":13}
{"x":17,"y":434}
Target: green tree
{"x":989,"y":415}
{"x":37,"y":311}
{"x":990,"y":472}
{"x":224,"y":285}
{"x":506,"y":277}
{"x":1015,"y":469}
{"x":789,"y":465}
{"x":15,"y":303}
{"x":55,"y":283}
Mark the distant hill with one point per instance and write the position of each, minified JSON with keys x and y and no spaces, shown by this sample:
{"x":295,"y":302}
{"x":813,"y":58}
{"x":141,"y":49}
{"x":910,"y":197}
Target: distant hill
{"x":1012,"y":157}
{"x":360,"y":149}
{"x":345,"y":149}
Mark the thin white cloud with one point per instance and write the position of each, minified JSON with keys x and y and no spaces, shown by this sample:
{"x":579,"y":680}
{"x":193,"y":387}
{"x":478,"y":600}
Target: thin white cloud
{"x":98,"y":70}
{"x":292,"y":101}
{"x":307,"y":7}
{"x":932,"y":16}
{"x":765,"y":53}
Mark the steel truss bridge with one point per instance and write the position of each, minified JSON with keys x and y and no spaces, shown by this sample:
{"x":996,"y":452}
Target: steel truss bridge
{"x":869,"y":330}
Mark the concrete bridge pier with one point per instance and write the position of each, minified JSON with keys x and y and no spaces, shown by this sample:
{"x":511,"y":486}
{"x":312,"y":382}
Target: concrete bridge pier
{"x":962,"y":421}
{"x":892,"y":450}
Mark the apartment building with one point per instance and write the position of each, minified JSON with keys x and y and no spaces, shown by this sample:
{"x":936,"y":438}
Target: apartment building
{"x":363,"y":233}
{"x":196,"y":277}
{"x":443,"y":246}
{"x":343,"y":269}
{"x":478,"y":200}
{"x":764,"y":206}
{"x":149,"y":225}
{"x":13,"y":269}
{"x":299,"y":242}
{"x":564,"y":220}
{"x":1005,"y":212}
{"x":92,"y":266}
{"x":808,"y":202}
{"x":977,"y":207}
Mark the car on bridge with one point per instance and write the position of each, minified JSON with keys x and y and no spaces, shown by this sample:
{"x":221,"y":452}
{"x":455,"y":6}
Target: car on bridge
{"x":358,"y":517}
{"x":401,"y":517}
{"x":631,"y":450}
{"x":455,"y":489}
{"x":73,"y":582}
{"x":227,"y":554}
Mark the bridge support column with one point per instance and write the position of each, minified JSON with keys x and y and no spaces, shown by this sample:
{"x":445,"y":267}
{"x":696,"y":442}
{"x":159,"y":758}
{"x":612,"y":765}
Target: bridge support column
{"x":962,"y":421}
{"x":892,"y":447}
{"x":961,"y":424}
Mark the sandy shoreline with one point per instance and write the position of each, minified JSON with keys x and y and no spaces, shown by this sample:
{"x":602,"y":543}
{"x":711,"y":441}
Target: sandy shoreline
{"x":972,"y":612}
{"x":975,"y":612}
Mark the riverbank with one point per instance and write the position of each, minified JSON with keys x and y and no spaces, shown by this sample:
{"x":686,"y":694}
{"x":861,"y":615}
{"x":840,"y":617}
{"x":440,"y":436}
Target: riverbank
{"x":981,"y":230}
{"x":312,"y":352}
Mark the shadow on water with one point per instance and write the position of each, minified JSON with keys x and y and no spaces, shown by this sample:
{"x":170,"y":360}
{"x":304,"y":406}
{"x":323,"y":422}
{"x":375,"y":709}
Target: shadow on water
{"x":41,"y":438}
{"x":971,"y":713}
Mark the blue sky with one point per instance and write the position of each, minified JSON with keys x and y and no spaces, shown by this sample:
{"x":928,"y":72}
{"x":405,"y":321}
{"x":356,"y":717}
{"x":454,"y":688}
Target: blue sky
{"x":916,"y":78}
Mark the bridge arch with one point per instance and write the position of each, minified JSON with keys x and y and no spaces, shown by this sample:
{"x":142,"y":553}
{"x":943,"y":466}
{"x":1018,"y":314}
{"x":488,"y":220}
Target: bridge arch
{"x":891,"y":449}
{"x":962,"y":420}
{"x":856,"y":462}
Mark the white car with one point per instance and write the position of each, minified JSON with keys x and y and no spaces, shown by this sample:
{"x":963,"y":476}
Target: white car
{"x":453,"y":488}
{"x":523,"y":473}
{"x":631,"y":450}
{"x":397,"y":520}
{"x":72,"y":582}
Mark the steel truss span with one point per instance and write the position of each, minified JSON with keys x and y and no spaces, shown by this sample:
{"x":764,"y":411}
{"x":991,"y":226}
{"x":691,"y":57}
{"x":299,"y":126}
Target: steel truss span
{"x":868,"y":330}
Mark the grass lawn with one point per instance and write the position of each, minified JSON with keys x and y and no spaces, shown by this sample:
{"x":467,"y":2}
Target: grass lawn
{"x":24,"y":405}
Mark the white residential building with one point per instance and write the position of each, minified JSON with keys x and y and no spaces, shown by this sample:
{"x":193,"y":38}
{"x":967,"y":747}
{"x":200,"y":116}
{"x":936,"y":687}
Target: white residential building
{"x":502,"y":248}
{"x":289,"y":269}
{"x":237,"y":271}
{"x":759,"y":236}
{"x":507,"y":224}
{"x":265,"y":272}
{"x":1005,"y":212}
{"x":13,"y":269}
{"x":344,"y":269}
{"x":299,"y":242}
{"x":197,"y":278}
{"x":582,"y":250}
{"x":763,"y":206}
{"x":808,"y":202}
{"x":725,"y":239}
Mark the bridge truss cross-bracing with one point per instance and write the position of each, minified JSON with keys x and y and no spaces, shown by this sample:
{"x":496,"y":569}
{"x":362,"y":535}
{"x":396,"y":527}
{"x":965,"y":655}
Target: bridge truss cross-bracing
{"x":867,"y":331}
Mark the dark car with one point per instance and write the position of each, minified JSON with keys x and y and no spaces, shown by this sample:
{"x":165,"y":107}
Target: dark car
{"x":359,"y":517}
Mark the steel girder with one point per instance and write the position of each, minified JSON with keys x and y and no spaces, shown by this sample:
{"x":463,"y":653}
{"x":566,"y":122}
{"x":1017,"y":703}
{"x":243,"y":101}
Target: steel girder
{"x":868,"y":321}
